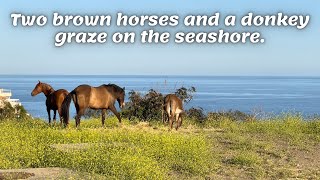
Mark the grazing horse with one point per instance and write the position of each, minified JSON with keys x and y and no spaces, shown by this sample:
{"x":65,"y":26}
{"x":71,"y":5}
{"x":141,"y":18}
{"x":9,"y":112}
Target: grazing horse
{"x":172,"y":106}
{"x":54,"y":98}
{"x":102,"y":97}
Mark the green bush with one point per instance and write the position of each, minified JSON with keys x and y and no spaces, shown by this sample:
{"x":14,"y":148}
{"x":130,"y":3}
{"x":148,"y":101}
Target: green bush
{"x":185,"y":94}
{"x":196,"y":114}
{"x":231,"y":115}
{"x":9,"y":112}
{"x":149,"y":106}
{"x":92,"y":113}
{"x":145,"y":108}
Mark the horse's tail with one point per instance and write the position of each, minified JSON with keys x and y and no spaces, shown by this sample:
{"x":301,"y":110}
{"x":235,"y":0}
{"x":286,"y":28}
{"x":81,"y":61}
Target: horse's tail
{"x":170,"y":106}
{"x":66,"y":106}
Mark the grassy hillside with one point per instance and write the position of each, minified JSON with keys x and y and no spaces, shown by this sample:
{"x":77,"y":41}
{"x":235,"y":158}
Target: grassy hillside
{"x":284,"y":147}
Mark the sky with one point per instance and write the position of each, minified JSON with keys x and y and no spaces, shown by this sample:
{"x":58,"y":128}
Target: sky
{"x":286,"y":51}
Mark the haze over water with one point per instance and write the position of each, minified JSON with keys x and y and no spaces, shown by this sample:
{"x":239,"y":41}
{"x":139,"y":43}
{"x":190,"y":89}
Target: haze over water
{"x":214,"y":93}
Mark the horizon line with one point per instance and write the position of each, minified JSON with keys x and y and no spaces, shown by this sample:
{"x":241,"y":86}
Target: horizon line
{"x":182,"y":75}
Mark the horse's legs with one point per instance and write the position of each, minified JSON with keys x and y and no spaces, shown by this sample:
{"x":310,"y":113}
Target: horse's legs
{"x":114,"y":110}
{"x":80,"y":112}
{"x":171,"y":119}
{"x":171,"y":122}
{"x":180,"y":120}
{"x":60,"y":113}
{"x":54,"y":116}
{"x":103,"y":112}
{"x":165,"y":117}
{"x":177,"y":121}
{"x":78,"y":120}
{"x":49,"y":115}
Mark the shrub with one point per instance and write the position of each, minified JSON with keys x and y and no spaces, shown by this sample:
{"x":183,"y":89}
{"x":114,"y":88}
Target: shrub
{"x":149,"y":106}
{"x":92,"y":114}
{"x":146,"y":108}
{"x":9,"y":112}
{"x":196,"y":114}
{"x":230,"y":115}
{"x":185,"y":94}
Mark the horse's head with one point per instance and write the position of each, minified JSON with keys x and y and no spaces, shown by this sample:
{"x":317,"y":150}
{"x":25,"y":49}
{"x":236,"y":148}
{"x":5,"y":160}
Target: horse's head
{"x":120,"y":98}
{"x":37,"y":89}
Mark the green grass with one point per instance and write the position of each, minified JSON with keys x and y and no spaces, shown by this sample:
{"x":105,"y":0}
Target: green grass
{"x":246,"y":158}
{"x":114,"y":152}
{"x":133,"y":150}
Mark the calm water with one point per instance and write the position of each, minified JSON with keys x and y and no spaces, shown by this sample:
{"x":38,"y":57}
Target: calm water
{"x":270,"y":94}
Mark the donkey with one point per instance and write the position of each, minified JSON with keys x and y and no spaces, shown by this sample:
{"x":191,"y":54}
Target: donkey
{"x":54,"y":99}
{"x":172,"y":106}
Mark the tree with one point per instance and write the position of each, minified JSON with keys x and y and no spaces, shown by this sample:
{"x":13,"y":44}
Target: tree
{"x":186,"y":95}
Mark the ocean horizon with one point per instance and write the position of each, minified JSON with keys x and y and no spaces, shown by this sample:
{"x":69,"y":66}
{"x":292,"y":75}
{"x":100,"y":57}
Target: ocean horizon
{"x":269,"y":94}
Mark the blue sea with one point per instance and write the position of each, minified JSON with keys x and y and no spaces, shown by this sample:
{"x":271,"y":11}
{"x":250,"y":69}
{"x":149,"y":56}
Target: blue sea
{"x":214,"y":93}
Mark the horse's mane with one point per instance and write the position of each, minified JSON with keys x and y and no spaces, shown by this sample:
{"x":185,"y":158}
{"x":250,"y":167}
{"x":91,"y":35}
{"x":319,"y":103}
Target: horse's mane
{"x":114,"y":88}
{"x":48,"y":86}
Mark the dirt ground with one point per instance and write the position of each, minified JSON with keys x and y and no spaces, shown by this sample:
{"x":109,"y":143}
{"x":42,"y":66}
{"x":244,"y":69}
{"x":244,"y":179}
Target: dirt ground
{"x":43,"y":173}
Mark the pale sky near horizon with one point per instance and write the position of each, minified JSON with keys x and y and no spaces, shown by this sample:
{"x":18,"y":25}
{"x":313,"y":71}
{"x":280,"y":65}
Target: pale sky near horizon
{"x":287,"y":51}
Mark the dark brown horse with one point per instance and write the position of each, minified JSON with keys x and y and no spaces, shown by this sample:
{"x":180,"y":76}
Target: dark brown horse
{"x":102,"y":97}
{"x":172,"y":107}
{"x":54,"y":98}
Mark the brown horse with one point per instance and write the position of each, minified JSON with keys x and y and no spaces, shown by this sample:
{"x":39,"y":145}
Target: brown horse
{"x":102,"y":97}
{"x":172,"y":106}
{"x":54,"y":98}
